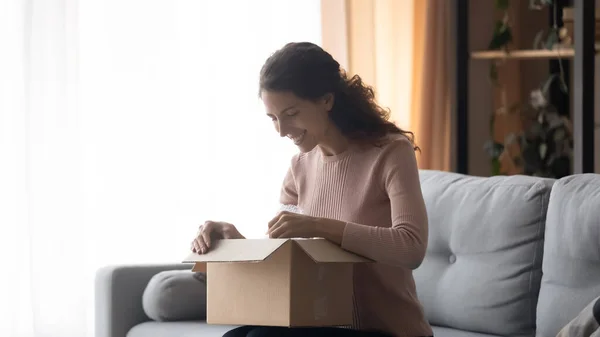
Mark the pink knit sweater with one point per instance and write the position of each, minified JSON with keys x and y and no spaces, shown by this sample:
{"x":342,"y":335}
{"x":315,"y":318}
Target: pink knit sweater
{"x":376,"y":191}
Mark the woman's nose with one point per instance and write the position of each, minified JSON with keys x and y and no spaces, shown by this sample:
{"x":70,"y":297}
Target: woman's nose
{"x":282,"y":128}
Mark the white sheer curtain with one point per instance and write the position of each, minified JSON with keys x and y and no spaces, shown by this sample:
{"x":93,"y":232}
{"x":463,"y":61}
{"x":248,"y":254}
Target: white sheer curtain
{"x":123,"y":125}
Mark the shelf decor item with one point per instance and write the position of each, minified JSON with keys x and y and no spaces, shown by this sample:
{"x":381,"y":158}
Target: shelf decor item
{"x":546,"y":143}
{"x":545,"y":146}
{"x":568,"y":25}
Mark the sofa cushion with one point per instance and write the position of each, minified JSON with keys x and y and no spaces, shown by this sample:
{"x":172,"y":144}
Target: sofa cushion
{"x":175,"y":295}
{"x":571,"y":252}
{"x":482,"y":268}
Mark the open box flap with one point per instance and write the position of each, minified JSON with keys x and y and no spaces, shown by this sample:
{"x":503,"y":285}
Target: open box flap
{"x":238,"y":250}
{"x":324,"y":251}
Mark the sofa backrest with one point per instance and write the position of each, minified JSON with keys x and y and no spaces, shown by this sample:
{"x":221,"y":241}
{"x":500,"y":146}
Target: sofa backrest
{"x":482,"y":269}
{"x":571,"y":266}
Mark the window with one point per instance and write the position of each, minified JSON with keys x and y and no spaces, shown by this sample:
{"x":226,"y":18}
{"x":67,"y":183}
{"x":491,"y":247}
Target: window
{"x":136,"y":121}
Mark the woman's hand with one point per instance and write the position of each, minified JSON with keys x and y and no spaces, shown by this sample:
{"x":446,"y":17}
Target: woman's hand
{"x":211,"y":231}
{"x":294,"y":225}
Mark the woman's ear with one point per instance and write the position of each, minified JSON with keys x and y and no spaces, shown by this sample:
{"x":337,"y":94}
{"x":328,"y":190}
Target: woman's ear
{"x":328,"y":100}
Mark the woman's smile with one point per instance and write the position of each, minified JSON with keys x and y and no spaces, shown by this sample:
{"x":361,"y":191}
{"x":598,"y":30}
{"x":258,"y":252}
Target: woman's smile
{"x":298,"y":139}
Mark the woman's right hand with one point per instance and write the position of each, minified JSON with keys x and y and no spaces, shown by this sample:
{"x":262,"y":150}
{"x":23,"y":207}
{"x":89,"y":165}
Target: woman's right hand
{"x":211,"y":231}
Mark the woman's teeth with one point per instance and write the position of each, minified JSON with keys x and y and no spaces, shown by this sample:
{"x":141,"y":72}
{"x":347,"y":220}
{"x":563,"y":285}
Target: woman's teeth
{"x":298,"y":140}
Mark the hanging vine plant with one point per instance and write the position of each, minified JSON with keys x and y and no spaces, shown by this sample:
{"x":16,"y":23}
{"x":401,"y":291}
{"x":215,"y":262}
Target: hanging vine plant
{"x":546,"y":143}
{"x":502,"y":36}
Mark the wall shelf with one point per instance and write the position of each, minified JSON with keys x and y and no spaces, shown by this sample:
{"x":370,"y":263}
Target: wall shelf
{"x":523,"y":54}
{"x":533,"y":54}
{"x":582,"y":57}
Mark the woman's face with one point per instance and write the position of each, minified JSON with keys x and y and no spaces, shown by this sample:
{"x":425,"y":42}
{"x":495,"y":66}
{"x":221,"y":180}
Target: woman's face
{"x":304,"y":122}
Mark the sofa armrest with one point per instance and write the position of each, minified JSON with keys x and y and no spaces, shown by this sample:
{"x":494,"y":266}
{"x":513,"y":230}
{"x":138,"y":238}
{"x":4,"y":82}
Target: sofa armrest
{"x":118,"y":296}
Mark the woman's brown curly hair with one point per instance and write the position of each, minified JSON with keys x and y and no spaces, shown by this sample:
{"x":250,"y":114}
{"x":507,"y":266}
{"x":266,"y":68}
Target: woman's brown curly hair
{"x":309,"y":72}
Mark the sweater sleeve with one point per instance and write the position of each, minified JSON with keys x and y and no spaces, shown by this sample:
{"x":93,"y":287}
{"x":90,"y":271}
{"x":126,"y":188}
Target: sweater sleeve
{"x":289,"y":192}
{"x":404,"y":243}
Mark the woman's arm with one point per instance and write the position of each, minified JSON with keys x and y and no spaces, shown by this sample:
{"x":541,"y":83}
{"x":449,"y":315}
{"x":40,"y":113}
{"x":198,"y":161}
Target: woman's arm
{"x":402,"y":244}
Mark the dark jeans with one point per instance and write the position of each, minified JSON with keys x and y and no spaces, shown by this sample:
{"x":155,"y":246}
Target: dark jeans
{"x":268,"y":331}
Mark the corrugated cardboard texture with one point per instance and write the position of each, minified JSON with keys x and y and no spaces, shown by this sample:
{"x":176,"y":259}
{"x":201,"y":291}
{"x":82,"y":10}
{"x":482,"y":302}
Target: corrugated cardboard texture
{"x":199,"y":267}
{"x":250,"y":293}
{"x":321,"y":293}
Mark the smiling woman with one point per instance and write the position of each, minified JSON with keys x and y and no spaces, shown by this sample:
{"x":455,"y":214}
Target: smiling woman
{"x":306,"y":92}
{"x":355,"y":180}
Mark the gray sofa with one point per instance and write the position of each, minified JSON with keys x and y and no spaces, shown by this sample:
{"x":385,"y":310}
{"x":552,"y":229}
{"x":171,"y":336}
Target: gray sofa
{"x":507,"y":256}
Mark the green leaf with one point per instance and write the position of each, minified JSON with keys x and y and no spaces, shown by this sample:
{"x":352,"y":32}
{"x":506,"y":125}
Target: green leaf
{"x":539,"y":4}
{"x":552,"y":39}
{"x":534,"y":5}
{"x":537,"y":42}
{"x":501,"y":38}
{"x":495,"y":167}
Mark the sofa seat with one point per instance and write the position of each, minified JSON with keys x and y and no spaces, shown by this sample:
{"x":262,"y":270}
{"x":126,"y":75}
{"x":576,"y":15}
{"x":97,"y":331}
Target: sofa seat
{"x":178,"y":329}
{"x":201,"y":329}
{"x":439,"y":331}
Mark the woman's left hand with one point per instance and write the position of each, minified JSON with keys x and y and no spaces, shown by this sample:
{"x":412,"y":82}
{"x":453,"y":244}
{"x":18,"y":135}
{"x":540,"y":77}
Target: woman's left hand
{"x":293,"y":225}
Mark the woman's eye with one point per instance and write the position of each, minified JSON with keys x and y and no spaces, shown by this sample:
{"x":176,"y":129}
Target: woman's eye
{"x":292,"y":113}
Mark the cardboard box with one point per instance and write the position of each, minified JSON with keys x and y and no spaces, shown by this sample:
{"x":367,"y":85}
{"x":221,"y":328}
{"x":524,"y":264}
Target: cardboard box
{"x":278,"y":282}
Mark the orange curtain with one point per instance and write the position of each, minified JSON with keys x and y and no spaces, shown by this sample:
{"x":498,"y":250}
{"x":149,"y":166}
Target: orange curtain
{"x":400,"y":48}
{"x":430,"y":99}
